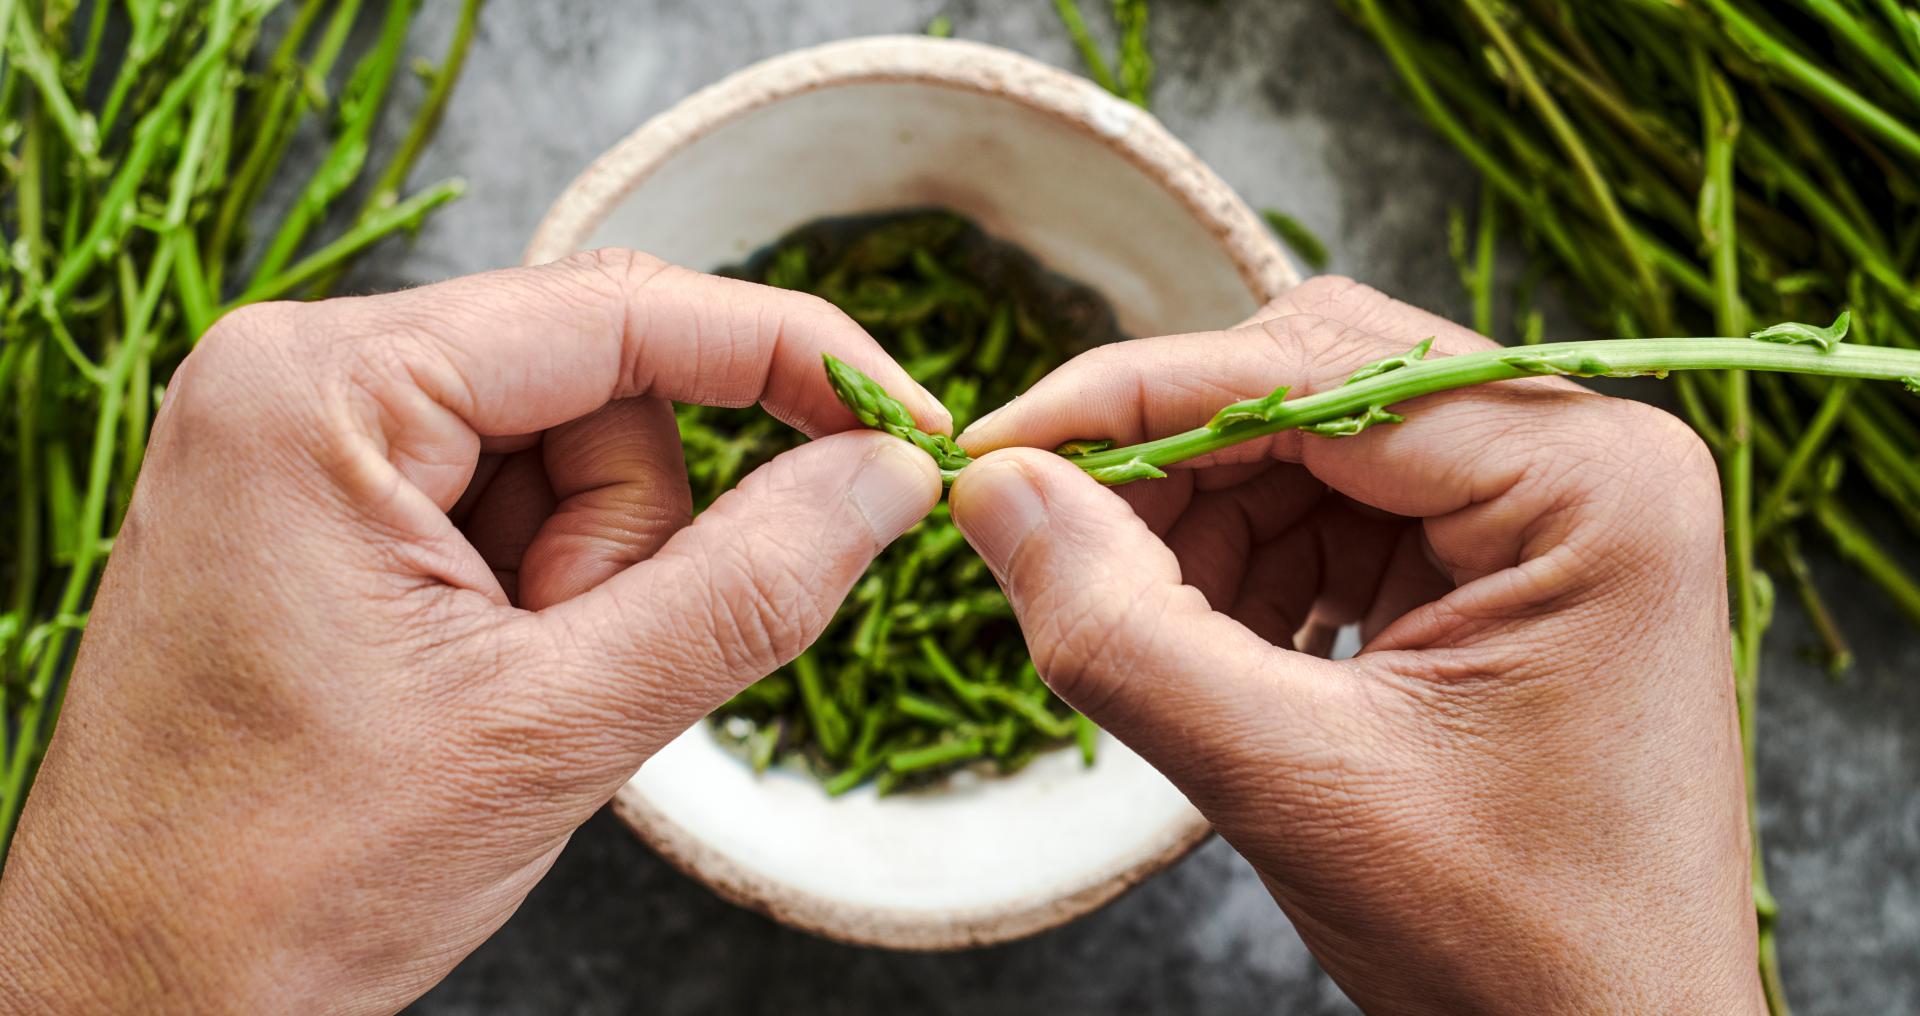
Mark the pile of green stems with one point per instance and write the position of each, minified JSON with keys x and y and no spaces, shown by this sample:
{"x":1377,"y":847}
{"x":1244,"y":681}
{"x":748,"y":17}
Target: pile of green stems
{"x":1129,"y":74}
{"x":923,"y":670}
{"x":1696,"y":167}
{"x":139,"y":138}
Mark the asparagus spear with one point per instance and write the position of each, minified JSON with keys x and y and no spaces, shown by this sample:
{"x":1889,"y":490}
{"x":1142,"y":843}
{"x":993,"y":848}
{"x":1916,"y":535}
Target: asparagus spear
{"x":1363,"y":401}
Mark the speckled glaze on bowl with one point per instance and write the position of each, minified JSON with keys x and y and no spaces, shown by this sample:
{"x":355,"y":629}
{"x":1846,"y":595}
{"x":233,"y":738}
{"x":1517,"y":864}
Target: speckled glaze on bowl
{"x":1098,"y":190}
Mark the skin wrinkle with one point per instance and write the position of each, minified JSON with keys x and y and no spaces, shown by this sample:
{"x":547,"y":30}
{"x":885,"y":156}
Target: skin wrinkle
{"x":1541,"y":497}
{"x":244,"y":478}
{"x":1469,"y":827}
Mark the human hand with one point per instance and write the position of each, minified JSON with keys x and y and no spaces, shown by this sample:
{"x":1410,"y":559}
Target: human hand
{"x":1524,"y":794}
{"x":406,"y":590}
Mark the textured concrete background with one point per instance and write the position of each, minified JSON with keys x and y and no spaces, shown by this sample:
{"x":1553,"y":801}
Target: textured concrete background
{"x":1295,"y":110}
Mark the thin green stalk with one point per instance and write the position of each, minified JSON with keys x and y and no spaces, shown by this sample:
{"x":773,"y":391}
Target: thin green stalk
{"x":1681,"y":166}
{"x":1812,"y":153}
{"x":359,"y":110}
{"x":273,"y":121}
{"x":386,"y":188}
{"x":1076,"y":25}
{"x":933,"y":756}
{"x":1834,"y":223}
{"x":1789,"y":478}
{"x":153,"y":22}
{"x":198,"y":303}
{"x":1815,"y":80}
{"x":1576,"y":150}
{"x":110,"y":219}
{"x":1402,"y":53}
{"x":30,"y":55}
{"x":1874,"y":446}
{"x":1298,"y":238}
{"x":1848,"y":536}
{"x":1855,"y":544}
{"x":6,"y":32}
{"x":1904,"y":22}
{"x":404,"y":215}
{"x":1484,"y":249}
{"x":87,"y":549}
{"x":1134,"y":66}
{"x":1720,"y":119}
{"x":1614,"y":109}
{"x":1365,"y":399}
{"x":27,"y":523}
{"x":206,"y":107}
{"x":1825,"y":627}
{"x":27,"y":551}
{"x":82,"y":70}
{"x":1895,"y":67}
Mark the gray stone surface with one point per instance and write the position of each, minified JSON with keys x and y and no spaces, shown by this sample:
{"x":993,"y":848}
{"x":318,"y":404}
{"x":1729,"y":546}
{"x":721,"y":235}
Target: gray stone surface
{"x":1295,"y":110}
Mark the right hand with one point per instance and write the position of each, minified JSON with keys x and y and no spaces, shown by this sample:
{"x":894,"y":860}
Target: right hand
{"x":1525,"y":793}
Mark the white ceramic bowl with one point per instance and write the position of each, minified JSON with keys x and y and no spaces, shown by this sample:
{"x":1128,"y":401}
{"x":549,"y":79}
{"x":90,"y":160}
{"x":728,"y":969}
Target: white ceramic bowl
{"x":1098,"y":190}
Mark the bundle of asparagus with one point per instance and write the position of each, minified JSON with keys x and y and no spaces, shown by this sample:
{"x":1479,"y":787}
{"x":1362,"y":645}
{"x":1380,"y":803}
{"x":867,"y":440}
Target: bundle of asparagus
{"x":130,"y":183}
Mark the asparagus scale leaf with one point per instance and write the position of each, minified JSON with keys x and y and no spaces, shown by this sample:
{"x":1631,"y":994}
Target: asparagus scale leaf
{"x":1794,"y":332}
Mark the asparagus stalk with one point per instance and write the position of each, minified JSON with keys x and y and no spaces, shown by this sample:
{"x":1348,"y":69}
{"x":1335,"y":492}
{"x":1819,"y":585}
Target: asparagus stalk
{"x":1365,"y":400}
{"x":921,"y":671}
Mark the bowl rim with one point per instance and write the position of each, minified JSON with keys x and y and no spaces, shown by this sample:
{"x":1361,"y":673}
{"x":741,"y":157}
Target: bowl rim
{"x":1078,"y":104}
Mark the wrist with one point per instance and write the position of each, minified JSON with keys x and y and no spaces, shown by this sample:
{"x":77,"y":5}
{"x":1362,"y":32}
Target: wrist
{"x":1522,"y":960}
{"x":93,"y":925}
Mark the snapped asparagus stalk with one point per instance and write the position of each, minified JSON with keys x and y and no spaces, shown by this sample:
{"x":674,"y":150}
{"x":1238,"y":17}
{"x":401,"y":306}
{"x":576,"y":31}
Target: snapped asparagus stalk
{"x":1367,"y":397}
{"x":921,"y":672}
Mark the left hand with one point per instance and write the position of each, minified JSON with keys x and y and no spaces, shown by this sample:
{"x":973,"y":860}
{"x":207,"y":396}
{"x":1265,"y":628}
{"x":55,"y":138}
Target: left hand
{"x":406,"y":590}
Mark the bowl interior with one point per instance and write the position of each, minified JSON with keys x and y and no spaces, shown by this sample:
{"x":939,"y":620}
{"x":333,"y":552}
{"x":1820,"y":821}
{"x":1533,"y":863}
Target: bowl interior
{"x":1023,"y":175}
{"x":983,"y":858}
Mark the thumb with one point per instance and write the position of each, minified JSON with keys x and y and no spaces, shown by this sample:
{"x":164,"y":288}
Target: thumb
{"x":744,"y":589}
{"x":1114,"y":632}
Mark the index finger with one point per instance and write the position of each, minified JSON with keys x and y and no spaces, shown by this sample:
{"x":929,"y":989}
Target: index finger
{"x":524,"y":349}
{"x":1491,"y":468}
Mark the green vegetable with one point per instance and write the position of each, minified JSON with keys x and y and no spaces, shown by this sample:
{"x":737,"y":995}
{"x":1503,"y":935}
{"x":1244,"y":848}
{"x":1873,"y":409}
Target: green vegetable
{"x":1298,"y":238}
{"x":923,"y":669}
{"x":1130,"y":74}
{"x":1362,"y":401}
{"x":126,"y":185}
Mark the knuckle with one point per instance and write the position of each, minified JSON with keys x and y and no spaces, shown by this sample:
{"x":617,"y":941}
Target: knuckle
{"x":1672,"y":439}
{"x":1300,"y":340}
{"x":812,"y":305}
{"x":251,"y":325}
{"x":236,"y":372}
{"x":620,"y":270}
{"x":1294,"y":332}
{"x":1096,"y":364}
{"x":1655,"y":488}
{"x":1334,"y":296}
{"x":1662,"y":455}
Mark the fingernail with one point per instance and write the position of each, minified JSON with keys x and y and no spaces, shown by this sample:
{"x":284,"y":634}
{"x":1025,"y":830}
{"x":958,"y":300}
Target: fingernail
{"x":932,"y":399}
{"x":996,"y":505}
{"x":896,"y":486}
{"x":980,"y":422}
